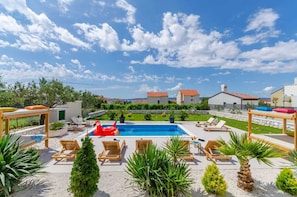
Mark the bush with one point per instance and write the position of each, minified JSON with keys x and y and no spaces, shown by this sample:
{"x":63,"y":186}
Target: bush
{"x":286,"y":181}
{"x":183,"y":115}
{"x":15,"y":163}
{"x":213,"y":182}
{"x":85,"y":171}
{"x":156,"y":174}
{"x":111,"y":114}
{"x":57,"y":125}
{"x":147,"y":116}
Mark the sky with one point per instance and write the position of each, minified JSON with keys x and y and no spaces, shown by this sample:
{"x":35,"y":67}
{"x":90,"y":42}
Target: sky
{"x":126,"y":48}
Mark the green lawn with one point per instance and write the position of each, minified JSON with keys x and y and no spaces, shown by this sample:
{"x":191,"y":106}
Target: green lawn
{"x":257,"y":129}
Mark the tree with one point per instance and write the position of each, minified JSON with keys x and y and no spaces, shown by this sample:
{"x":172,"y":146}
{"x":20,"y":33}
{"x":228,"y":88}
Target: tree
{"x":85,"y":171}
{"x":245,"y":150}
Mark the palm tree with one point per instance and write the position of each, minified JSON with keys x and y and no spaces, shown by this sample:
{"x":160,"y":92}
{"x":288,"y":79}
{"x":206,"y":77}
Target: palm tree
{"x":245,"y":150}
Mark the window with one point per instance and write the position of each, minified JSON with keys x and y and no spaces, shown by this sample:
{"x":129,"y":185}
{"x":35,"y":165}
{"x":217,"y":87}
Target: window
{"x":62,"y":115}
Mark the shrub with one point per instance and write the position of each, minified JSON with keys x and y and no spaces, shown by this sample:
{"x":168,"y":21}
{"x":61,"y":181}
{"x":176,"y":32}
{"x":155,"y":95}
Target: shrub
{"x":111,"y":114}
{"x":57,"y":125}
{"x":183,"y":115}
{"x":147,"y":116}
{"x":176,"y":148}
{"x":85,"y":171}
{"x":129,"y":115}
{"x":213,"y":182}
{"x":15,"y":163}
{"x":286,"y":181}
{"x":156,"y":174}
{"x":163,"y":114}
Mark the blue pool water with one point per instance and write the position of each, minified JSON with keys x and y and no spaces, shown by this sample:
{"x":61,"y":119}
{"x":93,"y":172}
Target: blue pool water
{"x":149,"y":130}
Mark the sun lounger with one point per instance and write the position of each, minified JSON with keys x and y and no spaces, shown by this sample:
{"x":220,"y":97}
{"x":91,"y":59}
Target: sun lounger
{"x":212,"y":153}
{"x":218,"y":127}
{"x":112,"y":151}
{"x":141,"y":145}
{"x":29,"y":140}
{"x":188,"y":156}
{"x":210,"y":121}
{"x":76,"y":121}
{"x":68,"y":151}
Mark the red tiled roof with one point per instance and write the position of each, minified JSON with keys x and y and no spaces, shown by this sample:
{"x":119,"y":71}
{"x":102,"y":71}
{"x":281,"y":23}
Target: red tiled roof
{"x":140,"y":101}
{"x":190,"y":92}
{"x":243,"y":96}
{"x":157,"y":94}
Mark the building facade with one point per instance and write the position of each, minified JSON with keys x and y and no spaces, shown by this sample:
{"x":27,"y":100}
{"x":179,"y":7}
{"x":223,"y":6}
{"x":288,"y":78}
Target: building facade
{"x":157,"y":97}
{"x":187,"y":97}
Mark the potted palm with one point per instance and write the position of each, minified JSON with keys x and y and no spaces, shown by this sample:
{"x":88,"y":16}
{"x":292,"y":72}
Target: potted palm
{"x":122,"y":117}
{"x":171,"y":116}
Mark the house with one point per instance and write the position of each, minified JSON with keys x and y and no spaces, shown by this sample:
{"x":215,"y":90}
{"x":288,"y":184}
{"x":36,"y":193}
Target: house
{"x":187,"y":97}
{"x":157,"y":97}
{"x":66,"y":111}
{"x":286,"y":96}
{"x":231,"y":99}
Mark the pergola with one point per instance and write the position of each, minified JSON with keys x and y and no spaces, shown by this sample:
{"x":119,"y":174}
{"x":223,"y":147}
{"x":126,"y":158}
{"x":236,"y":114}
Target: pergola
{"x":21,"y":113}
{"x":282,"y":116}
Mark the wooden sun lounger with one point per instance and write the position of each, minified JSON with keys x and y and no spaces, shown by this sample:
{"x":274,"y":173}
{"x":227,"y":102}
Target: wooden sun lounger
{"x":141,"y":145}
{"x":218,"y":127}
{"x":210,"y":121}
{"x":112,"y":151}
{"x":188,"y":156}
{"x":212,"y":153}
{"x":68,"y":151}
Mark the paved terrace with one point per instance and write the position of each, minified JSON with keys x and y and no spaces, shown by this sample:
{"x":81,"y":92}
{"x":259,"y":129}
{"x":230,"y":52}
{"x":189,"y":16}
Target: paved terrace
{"x":199,"y":164}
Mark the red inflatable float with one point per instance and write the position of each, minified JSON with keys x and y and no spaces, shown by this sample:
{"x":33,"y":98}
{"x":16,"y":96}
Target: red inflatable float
{"x":105,"y":131}
{"x":285,"y":110}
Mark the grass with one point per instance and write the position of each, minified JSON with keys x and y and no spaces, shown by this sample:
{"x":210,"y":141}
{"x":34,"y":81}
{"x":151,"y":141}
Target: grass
{"x":242,"y":125}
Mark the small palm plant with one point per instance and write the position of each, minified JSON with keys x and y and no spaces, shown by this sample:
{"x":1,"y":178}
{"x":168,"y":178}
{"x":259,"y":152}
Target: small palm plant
{"x":15,"y":163}
{"x":176,"y":148}
{"x":155,"y":174}
{"x":245,"y":150}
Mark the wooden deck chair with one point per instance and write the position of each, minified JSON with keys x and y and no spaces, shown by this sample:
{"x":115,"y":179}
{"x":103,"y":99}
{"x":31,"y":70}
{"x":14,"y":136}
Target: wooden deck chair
{"x":218,"y":127}
{"x":68,"y":151}
{"x":141,"y":145}
{"x":188,"y":156}
{"x":212,"y":153}
{"x":210,"y":121}
{"x":112,"y":151}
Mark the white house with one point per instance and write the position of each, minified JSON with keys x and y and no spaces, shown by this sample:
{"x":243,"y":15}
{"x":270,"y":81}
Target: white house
{"x":157,"y":97}
{"x":231,"y":99}
{"x":66,"y":111}
{"x":187,"y":97}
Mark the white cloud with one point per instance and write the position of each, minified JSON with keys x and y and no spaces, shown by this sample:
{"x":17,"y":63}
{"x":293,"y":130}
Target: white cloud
{"x":201,"y":80}
{"x":130,"y":15}
{"x":177,"y":87}
{"x":263,"y":23}
{"x":131,"y":68}
{"x":63,"y":5}
{"x":143,"y":88}
{"x":221,"y":73}
{"x":268,"y":89}
{"x":41,"y":31}
{"x":106,"y":35}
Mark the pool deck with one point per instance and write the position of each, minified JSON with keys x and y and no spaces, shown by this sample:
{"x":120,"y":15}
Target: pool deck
{"x":198,"y":164}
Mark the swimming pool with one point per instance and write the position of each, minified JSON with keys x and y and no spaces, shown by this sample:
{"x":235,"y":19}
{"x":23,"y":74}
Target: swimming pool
{"x":149,"y":130}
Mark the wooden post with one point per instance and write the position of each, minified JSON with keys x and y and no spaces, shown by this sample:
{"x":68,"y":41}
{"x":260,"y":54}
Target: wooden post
{"x":284,"y":126}
{"x":46,"y":129}
{"x":7,"y":122}
{"x":249,"y":123}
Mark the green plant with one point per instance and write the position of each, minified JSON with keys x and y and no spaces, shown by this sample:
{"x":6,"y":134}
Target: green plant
{"x":171,"y":114}
{"x":245,"y":150}
{"x":213,"y":181}
{"x":111,"y":114}
{"x":175,"y":148}
{"x":148,"y":116}
{"x":129,"y":115}
{"x":286,"y":181}
{"x":56,"y":125}
{"x":183,"y":115}
{"x":156,"y":174}
{"x":15,"y":163}
{"x":163,"y":114}
{"x":85,"y":171}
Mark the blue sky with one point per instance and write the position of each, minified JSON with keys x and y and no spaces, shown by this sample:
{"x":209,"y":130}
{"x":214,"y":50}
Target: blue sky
{"x":125,"y":48}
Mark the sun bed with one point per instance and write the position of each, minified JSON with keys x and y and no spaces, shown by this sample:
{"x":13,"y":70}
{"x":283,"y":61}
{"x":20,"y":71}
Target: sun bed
{"x":141,"y":145}
{"x":187,"y":156}
{"x":76,"y":121}
{"x":210,"y":121}
{"x":212,"y":153}
{"x":112,"y":151}
{"x":68,"y":151}
{"x":218,"y":127}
